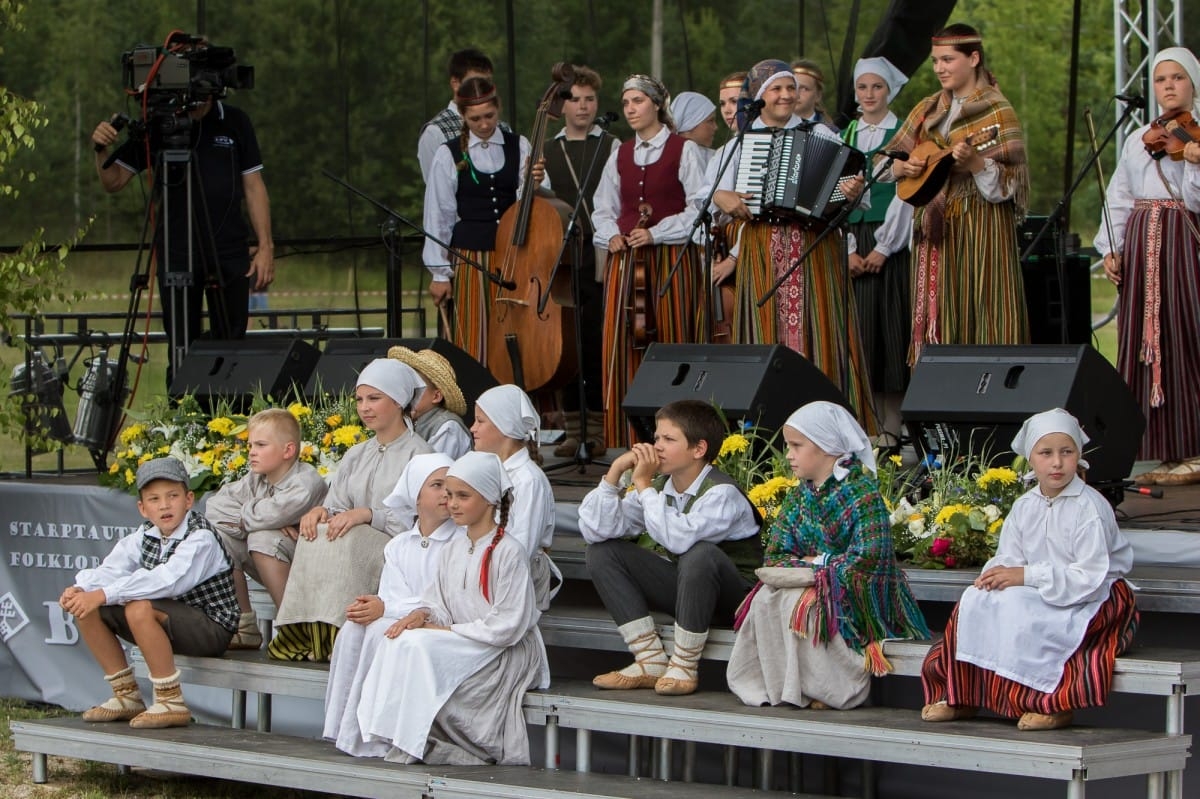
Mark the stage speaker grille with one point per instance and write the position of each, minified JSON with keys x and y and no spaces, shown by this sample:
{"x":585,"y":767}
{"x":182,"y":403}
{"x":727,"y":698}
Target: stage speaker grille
{"x":969,"y":397}
{"x":235,"y":370}
{"x":762,"y":383}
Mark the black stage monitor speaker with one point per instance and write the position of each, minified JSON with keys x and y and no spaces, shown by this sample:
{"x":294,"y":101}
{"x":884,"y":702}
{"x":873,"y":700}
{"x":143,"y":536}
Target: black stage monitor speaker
{"x":964,"y":397}
{"x":235,"y":370}
{"x":344,"y":358}
{"x":762,"y":383}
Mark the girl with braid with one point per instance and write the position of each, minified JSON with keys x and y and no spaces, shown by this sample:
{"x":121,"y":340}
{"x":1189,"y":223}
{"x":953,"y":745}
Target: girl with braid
{"x":473,"y":180}
{"x":448,"y":682}
{"x":967,"y":285}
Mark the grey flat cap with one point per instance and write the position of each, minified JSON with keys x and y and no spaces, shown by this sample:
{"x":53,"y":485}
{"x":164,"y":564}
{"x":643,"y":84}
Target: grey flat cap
{"x":161,"y":469}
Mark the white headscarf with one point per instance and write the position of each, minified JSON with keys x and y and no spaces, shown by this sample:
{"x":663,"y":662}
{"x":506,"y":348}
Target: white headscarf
{"x":483,"y":472}
{"x":403,"y":499}
{"x":510,"y":409}
{"x":777,"y":76}
{"x":398,"y":380}
{"x":1047,"y":422}
{"x":1184,"y":58}
{"x":833,"y":429}
{"x":690,"y":109}
{"x":893,"y":77}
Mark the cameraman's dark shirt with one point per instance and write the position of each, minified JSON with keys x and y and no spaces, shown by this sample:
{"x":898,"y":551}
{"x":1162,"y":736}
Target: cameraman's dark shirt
{"x":224,"y":148}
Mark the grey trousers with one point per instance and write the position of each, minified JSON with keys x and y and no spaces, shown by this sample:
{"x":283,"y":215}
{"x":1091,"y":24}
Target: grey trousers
{"x":699,"y":588}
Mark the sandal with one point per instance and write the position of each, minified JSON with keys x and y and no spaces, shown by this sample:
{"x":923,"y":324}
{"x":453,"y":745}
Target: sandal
{"x":1185,"y":473}
{"x":1149,"y":478}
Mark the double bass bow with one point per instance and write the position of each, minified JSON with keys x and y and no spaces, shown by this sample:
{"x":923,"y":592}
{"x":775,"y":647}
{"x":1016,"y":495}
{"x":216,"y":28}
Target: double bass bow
{"x":530,"y":349}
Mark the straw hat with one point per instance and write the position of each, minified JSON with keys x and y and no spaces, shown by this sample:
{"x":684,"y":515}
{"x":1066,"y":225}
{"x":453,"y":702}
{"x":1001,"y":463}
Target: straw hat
{"x":438,"y":371}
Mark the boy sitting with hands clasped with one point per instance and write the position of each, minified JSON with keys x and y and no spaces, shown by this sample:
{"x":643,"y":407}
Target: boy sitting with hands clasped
{"x":166,"y":588}
{"x":258,"y":516}
{"x":684,"y":541}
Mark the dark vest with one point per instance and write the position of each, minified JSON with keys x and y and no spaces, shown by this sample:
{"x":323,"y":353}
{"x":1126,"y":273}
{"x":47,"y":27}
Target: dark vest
{"x":579,"y":152}
{"x":432,"y":420}
{"x":746,"y":553}
{"x":483,"y":198}
{"x":657,"y":184}
{"x":882,"y":192}
{"x":215,"y":596}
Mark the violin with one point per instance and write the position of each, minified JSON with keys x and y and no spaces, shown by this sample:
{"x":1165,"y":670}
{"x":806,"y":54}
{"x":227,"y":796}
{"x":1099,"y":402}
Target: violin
{"x":645,"y":328}
{"x":722,"y":297}
{"x":1170,"y":134}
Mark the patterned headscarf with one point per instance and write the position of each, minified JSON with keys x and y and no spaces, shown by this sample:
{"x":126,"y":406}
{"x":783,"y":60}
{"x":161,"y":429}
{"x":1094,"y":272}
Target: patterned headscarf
{"x":833,"y":429}
{"x":653,"y":88}
{"x":760,"y":76}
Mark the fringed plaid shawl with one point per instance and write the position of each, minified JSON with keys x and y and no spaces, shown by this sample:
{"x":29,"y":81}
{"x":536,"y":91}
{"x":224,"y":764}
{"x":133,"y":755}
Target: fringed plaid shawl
{"x":982,"y":109}
{"x":860,"y":592}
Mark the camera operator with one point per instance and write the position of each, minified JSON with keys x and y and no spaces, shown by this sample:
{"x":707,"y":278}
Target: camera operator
{"x":228,"y":168}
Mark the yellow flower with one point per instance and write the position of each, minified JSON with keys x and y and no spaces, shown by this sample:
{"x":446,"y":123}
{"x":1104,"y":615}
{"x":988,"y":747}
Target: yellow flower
{"x":299,"y":411}
{"x":734,"y":444}
{"x":945,"y":513}
{"x":244,"y":435}
{"x":322,"y":470}
{"x":334,"y":420}
{"x":995,"y":526}
{"x":164,"y":449}
{"x":145,"y":457}
{"x":896,"y":459}
{"x":307,"y":453}
{"x":129,"y":477}
{"x":1005,"y":477}
{"x":348,"y":435}
{"x":222,"y":425}
{"x":237,"y":462}
{"x":132,"y":432}
{"x":326,"y":440}
{"x":770,"y":491}
{"x":116,"y":467}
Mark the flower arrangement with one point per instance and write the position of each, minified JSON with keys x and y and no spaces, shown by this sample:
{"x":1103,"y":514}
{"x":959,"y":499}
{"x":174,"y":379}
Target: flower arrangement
{"x":213,"y":448}
{"x":948,"y":515}
{"x":755,"y":464}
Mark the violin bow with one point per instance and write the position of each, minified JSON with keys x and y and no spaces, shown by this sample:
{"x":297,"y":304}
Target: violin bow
{"x":1091,"y":128}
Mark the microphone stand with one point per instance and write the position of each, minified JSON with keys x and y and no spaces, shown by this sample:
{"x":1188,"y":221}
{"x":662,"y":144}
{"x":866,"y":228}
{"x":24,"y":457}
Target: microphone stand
{"x":836,"y":223}
{"x":455,"y":253}
{"x":582,"y":456}
{"x":752,"y":112}
{"x":1056,"y":216}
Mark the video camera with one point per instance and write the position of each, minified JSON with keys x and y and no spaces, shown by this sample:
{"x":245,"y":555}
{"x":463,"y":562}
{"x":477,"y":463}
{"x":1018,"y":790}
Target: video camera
{"x":184,"y":73}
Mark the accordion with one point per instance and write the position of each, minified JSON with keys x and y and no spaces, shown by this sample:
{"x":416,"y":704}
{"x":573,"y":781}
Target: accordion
{"x":793,"y":174}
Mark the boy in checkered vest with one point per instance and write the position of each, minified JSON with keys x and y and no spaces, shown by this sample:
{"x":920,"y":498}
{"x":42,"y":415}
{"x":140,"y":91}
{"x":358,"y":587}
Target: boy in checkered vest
{"x":166,"y":588}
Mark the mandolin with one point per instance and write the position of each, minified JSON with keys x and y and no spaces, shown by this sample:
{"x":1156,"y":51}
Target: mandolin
{"x":921,"y":189}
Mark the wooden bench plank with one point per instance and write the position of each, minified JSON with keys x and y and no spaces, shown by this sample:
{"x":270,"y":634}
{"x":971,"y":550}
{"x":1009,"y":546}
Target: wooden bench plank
{"x":889,"y":734}
{"x":302,"y":763}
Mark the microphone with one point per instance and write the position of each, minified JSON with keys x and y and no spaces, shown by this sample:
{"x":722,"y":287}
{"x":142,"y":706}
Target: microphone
{"x":896,"y":155}
{"x":606,"y":119}
{"x":118,"y":121}
{"x":753,"y":108}
{"x":1134,"y":100}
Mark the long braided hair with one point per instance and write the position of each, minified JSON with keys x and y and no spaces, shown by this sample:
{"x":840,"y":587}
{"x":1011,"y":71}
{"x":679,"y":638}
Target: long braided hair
{"x":472,"y":92}
{"x":485,"y":566}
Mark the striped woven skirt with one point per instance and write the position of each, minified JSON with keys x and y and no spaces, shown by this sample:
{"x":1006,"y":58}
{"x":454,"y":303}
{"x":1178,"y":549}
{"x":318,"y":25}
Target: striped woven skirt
{"x":1160,"y":299}
{"x":473,"y":295}
{"x":810,"y":313}
{"x":883,"y":303}
{"x":679,"y":316}
{"x":968,"y":289}
{"x":1087,"y":675}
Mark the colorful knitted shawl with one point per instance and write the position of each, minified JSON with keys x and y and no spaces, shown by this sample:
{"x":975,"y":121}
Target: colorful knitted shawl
{"x":860,"y":592}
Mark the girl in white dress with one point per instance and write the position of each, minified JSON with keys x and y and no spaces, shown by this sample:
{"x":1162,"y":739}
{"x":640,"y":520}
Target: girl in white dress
{"x":506,"y":425}
{"x":449,"y":687}
{"x":1037,"y":634}
{"x":409,"y":566}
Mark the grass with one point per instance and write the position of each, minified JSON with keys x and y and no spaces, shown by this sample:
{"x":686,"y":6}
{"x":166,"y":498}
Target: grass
{"x":84,"y":779}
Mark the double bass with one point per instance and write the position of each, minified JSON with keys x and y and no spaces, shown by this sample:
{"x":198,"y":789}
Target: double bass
{"x":532,"y":350}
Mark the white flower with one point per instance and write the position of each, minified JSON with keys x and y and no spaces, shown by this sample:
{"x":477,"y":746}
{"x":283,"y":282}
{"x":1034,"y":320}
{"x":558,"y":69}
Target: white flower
{"x":917,"y":527}
{"x":991,"y":512}
{"x":903,"y":510}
